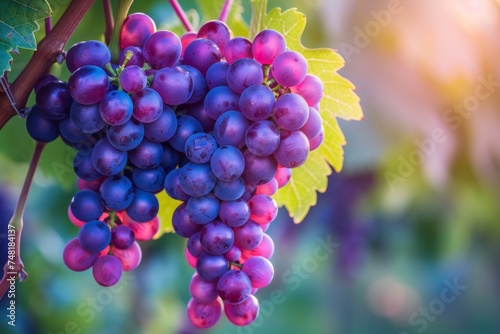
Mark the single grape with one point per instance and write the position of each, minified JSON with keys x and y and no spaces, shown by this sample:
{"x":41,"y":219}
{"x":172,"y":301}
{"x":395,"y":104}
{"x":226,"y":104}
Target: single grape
{"x":86,"y":118}
{"x":318,"y":140}
{"x":263,"y":209}
{"x":237,"y":48}
{"x":148,"y":105}
{"x":88,"y":84}
{"x":234,"y":213}
{"x":216,"y":75}
{"x":54,"y":100}
{"x":43,"y":80}
{"x":186,"y":126}
{"x":233,"y":254}
{"x":94,"y":236}
{"x":163,"y":128}
{"x":267,"y":45}
{"x":136,"y":28}
{"x":40,"y":128}
{"x":117,"y":192}
{"x":108,"y":160}
{"x":133,"y":79}
{"x":83,"y":167}
{"x":196,"y":179}
{"x":211,"y":267}
{"x":144,"y":206}
{"x":127,"y":136}
{"x":201,"y":54}
{"x":289,"y":68}
{"x":290,"y":111}
{"x":122,"y":237}
{"x":264,"y":249}
{"x":311,"y":89}
{"x":256,"y":102}
{"x":269,"y":188}
{"x":229,"y":191}
{"x":87,"y":53}
{"x":200,"y":147}
{"x":230,"y":129}
{"x":162,"y":49}
{"x":202,"y":291}
{"x":258,"y":170}
{"x":172,"y":186}
{"x":70,"y":132}
{"x":171,"y":157}
{"x":242,"y":314}
{"x":143,"y":231}
{"x":259,"y":270}
{"x":234,"y":287}
{"x":199,"y":84}
{"x":219,"y":100}
{"x":313,"y":125}
{"x":107,"y":270}
{"x":194,"y":245}
{"x":182,"y":223}
{"x":283,"y":175}
{"x":198,"y":111}
{"x":130,"y":257}
{"x":293,"y":149}
{"x":76,"y":258}
{"x":244,"y":73}
{"x":248,"y":236}
{"x":147,"y":154}
{"x":203,"y":209}
{"x":186,"y":39}
{"x":262,"y":138}
{"x":137,"y":58}
{"x":204,"y":315}
{"x":116,"y":108}
{"x":151,"y":180}
{"x":174,"y":84}
{"x":86,"y":205}
{"x":216,"y":237}
{"x":216,"y":31}
{"x":227,"y":163}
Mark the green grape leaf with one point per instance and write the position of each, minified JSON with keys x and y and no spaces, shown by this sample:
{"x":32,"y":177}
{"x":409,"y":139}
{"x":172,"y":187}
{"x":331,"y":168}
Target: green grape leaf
{"x":210,"y":10}
{"x":167,"y":208}
{"x":339,"y":101}
{"x":17,"y":25}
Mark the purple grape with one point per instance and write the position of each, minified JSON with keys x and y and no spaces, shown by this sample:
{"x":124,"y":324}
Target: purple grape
{"x":144,"y":206}
{"x":136,"y":59}
{"x":202,"y":291}
{"x":116,"y":108}
{"x":86,"y":205}
{"x":234,"y":287}
{"x":86,"y":118}
{"x":230,"y":129}
{"x":88,"y":84}
{"x":151,"y":180}
{"x":199,"y":84}
{"x":133,"y":79}
{"x":262,"y":138}
{"x":265,"y":249}
{"x":311,"y":89}
{"x":182,"y":223}
{"x":83,"y":167}
{"x":122,"y":237}
{"x":107,"y":270}
{"x":248,"y":236}
{"x":227,"y":163}
{"x":216,"y":31}
{"x":174,"y":84}
{"x":136,"y":28}
{"x":242,"y":314}
{"x":216,"y":237}
{"x":172,"y":186}
{"x":289,"y":68}
{"x":243,"y":73}
{"x":229,"y":191}
{"x":203,"y":209}
{"x":147,"y":155}
{"x":130,"y":257}
{"x":87,"y":53}
{"x":171,"y":158}
{"x":43,"y":80}
{"x":233,"y":254}
{"x":237,"y":48}
{"x":216,"y":75}
{"x":267,"y":45}
{"x":256,"y":102}
{"x":162,"y":49}
{"x":54,"y":100}
{"x":219,"y":100}
{"x":313,"y":125}
{"x":194,"y":245}
{"x":290,"y":111}
{"x":201,"y":54}
{"x":70,"y":132}
{"x":127,"y":136}
{"x":196,"y":179}
{"x":258,"y":170}
{"x":211,"y":267}
{"x":147,"y":105}
{"x":200,"y":147}
{"x":293,"y":149}
{"x":198,"y":111}
{"x":186,"y":126}
{"x":76,"y":258}
{"x":318,"y":140}
{"x":204,"y":315}
{"x":108,"y":160}
{"x":94,"y":236}
{"x":40,"y":128}
{"x":234,"y":213}
{"x":117,"y":192}
{"x":263,"y":209}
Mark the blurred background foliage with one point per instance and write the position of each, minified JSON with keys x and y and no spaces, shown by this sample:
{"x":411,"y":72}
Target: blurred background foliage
{"x":414,"y":211}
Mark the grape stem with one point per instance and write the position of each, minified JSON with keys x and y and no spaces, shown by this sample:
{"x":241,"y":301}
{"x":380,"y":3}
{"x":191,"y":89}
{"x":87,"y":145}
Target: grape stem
{"x":224,"y":13}
{"x":110,"y":21}
{"x":48,"y":25}
{"x":15,"y":268}
{"x":49,"y":48}
{"x":239,"y":265}
{"x":121,"y":14}
{"x":181,"y":15}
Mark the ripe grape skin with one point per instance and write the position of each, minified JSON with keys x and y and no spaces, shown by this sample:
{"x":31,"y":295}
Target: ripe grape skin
{"x":216,"y":75}
{"x":122,"y":237}
{"x":293,"y":149}
{"x":136,"y":59}
{"x":262,"y":138}
{"x":233,"y":254}
{"x":202,"y":291}
{"x":196,"y":179}
{"x":86,"y":118}
{"x":230,"y":129}
{"x":186,"y":39}
{"x":116,"y":108}
{"x":143,"y":231}
{"x":248,"y":236}
{"x":171,"y":157}
{"x":88,"y":84}
{"x":40,"y":128}
{"x":200,"y":147}
{"x":289,"y":68}
{"x":234,"y":287}
{"x":199,"y":84}
{"x":162,"y":49}
{"x":70,"y":132}
{"x":147,"y":154}
{"x":229,"y":191}
{"x":316,"y":141}
{"x":201,"y":54}
{"x":259,"y":270}
{"x":130,"y":257}
{"x":211,"y":267}
{"x":256,"y":102}
{"x":151,"y":180}
{"x":219,"y":100}
{"x":108,"y":160}
{"x":186,"y":126}
{"x":263,"y":209}
{"x":198,"y":111}
{"x":86,"y":205}
{"x":243,"y":73}
{"x":258,"y":170}
{"x":43,"y":80}
{"x":270,"y":188}
{"x":203,"y":209}
{"x":290,"y":111}
{"x":194,"y":245}
{"x":87,"y":53}
{"x":117,"y":192}
{"x":182,"y":224}
{"x":242,"y":314}
{"x":133,"y":79}
{"x":216,"y":31}
{"x":76,"y":258}
{"x":83,"y":167}
{"x":267,"y":45}
{"x":94,"y":236}
{"x":313,"y":125}
{"x":234,"y":213}
{"x":174,"y":84}
{"x":144,"y":206}
{"x":136,"y":28}
{"x":107,"y":270}
{"x":227,"y":163}
{"x":283,"y":175}
{"x":264,"y":249}
{"x":216,"y":237}
{"x":204,"y":315}
{"x":163,"y":128}
{"x":237,"y":48}
{"x":311,"y":89}
{"x":172,"y":186}
{"x":148,"y":105}
{"x":127,"y":136}
{"x":54,"y":100}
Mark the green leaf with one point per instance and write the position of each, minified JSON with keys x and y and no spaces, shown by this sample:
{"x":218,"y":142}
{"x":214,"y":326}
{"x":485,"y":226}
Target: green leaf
{"x":17,"y":25}
{"x":339,"y":101}
{"x":167,"y":208}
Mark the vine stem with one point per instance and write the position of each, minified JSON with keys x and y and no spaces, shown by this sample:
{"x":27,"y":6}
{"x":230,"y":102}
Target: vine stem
{"x":181,"y":15}
{"x":110,"y":22}
{"x":224,"y":13}
{"x":121,"y":14}
{"x":15,"y":269}
{"x":49,"y":48}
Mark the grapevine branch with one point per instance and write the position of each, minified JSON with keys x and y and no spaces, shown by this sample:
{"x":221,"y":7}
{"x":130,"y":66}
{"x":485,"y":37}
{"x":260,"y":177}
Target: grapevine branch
{"x":181,"y":15}
{"x":110,"y":22}
{"x":49,"y":48}
{"x":14,"y":266}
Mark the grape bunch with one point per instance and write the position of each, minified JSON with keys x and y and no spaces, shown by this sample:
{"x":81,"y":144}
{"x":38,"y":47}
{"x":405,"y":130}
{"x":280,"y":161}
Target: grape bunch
{"x":217,"y":122}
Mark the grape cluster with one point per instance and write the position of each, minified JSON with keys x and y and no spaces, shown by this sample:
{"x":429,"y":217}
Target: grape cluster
{"x":216,"y":121}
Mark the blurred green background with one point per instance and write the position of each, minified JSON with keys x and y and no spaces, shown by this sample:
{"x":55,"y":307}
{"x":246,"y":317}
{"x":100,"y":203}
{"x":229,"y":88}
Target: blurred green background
{"x":408,"y":233}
